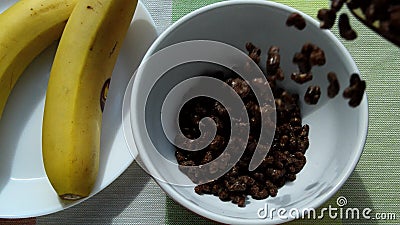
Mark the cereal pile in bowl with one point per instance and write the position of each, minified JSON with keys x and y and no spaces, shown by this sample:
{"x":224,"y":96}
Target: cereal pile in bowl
{"x":286,"y":156}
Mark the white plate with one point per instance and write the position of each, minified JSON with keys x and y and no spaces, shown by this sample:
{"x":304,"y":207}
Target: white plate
{"x":24,"y":188}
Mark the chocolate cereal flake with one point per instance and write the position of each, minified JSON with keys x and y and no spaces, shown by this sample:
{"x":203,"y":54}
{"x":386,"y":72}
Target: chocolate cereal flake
{"x":312,"y":95}
{"x":334,"y":86}
{"x":296,"y":20}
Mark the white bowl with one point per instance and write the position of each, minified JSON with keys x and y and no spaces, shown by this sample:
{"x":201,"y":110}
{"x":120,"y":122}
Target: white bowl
{"x":337,"y":131}
{"x":25,"y":190}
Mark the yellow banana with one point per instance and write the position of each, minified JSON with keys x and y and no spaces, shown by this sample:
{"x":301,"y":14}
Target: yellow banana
{"x":26,"y":29}
{"x":82,"y":67}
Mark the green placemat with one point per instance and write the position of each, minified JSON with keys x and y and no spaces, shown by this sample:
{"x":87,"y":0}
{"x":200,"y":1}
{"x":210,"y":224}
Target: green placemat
{"x":375,"y":182}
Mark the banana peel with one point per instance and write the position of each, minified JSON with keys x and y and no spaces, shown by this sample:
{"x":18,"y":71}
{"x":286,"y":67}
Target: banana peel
{"x":27,"y":28}
{"x":81,"y":70}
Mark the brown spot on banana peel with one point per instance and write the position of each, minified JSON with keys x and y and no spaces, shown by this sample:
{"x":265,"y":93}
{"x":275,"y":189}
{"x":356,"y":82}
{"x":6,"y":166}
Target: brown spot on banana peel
{"x":104,"y":92}
{"x":113,"y":49}
{"x":47,"y":8}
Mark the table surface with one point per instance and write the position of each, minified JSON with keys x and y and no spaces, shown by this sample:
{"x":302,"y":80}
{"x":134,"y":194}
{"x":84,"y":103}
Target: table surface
{"x":134,"y":198}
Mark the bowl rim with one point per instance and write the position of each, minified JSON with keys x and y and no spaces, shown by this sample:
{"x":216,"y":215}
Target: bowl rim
{"x":363,"y":116}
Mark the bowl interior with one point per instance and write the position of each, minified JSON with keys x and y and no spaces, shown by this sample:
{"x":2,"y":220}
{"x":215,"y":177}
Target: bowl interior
{"x":337,"y":131}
